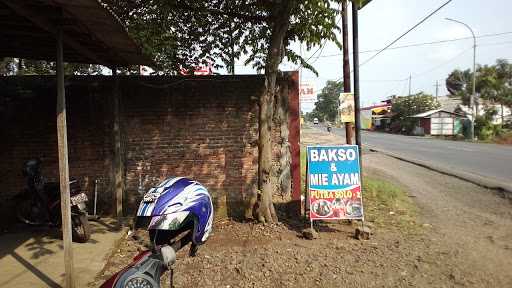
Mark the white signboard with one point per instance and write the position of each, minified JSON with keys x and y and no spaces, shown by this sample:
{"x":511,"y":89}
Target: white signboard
{"x":307,"y":92}
{"x":347,"y":111}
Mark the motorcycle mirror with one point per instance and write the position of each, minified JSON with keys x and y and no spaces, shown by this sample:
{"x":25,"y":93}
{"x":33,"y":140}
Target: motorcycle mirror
{"x":168,"y":255}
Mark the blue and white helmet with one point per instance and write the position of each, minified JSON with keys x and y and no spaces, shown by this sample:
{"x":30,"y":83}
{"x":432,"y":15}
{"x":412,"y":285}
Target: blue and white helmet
{"x":176,"y":202}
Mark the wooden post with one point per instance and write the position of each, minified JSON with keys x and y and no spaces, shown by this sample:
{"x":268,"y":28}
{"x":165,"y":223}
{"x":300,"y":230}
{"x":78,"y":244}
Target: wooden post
{"x":65,"y":205}
{"x":346,"y":67}
{"x":118,"y":161}
{"x":355,"y":51}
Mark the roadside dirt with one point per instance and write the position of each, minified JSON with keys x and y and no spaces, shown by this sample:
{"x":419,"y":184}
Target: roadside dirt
{"x":461,"y":237}
{"x":470,"y":228}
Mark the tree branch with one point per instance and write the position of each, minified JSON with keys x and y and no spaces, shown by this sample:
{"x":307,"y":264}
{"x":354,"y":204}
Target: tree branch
{"x":247,"y":17}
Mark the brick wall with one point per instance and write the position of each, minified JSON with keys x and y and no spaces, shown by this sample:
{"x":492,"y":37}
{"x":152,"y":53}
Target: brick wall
{"x":27,"y":109}
{"x":204,"y":128}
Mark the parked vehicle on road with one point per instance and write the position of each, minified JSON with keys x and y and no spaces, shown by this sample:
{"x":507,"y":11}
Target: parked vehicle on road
{"x":175,"y":212}
{"x":40,"y":203}
{"x":315,"y":121}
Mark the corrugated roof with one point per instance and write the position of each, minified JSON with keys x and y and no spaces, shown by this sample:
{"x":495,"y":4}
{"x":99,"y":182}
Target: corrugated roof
{"x":430,"y":112}
{"x":92,"y":34}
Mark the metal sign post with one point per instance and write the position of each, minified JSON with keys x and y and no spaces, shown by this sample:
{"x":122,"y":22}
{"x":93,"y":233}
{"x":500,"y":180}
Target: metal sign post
{"x":346,"y":68}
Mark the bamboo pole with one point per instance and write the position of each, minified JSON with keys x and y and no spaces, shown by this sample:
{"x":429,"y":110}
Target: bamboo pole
{"x":118,"y":160}
{"x":65,"y":205}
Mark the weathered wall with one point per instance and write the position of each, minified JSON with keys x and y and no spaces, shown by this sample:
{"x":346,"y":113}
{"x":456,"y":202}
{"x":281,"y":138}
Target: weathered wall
{"x":27,"y":109}
{"x":204,"y":128}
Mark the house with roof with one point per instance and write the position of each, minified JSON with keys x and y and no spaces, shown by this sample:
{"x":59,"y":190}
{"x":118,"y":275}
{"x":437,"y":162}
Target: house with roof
{"x":439,"y":122}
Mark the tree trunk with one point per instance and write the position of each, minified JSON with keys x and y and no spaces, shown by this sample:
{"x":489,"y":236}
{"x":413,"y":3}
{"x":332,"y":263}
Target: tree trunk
{"x":283,"y":174}
{"x":280,"y":24}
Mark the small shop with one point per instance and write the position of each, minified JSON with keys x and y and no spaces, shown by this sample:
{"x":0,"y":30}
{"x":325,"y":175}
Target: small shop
{"x":375,"y":117}
{"x":438,"y":123}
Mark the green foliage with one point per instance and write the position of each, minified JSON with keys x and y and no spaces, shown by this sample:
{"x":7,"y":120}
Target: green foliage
{"x":484,"y":129}
{"x":406,"y":106}
{"x":12,"y":66}
{"x":459,"y":84}
{"x":493,"y":83}
{"x":184,"y":34}
{"x":326,"y":107}
{"x":7,"y":66}
{"x":382,"y":197}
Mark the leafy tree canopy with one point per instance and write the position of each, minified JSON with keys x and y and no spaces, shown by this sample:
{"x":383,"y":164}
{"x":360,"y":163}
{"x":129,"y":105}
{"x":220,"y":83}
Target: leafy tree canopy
{"x":493,"y":83}
{"x":12,"y":66}
{"x":183,"y":34}
{"x":326,"y":106}
{"x":406,"y":106}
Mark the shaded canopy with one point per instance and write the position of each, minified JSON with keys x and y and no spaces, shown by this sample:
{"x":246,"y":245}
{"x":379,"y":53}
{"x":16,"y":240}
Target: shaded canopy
{"x":92,"y":34}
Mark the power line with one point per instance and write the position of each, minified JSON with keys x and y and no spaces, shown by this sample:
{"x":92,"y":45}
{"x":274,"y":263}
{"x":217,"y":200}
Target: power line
{"x":396,"y":86}
{"x":319,"y":55}
{"x":441,"y":64}
{"x":407,"y":32}
{"x":495,"y":44}
{"x":319,"y":48}
{"x":425,"y":43}
{"x":401,"y":36}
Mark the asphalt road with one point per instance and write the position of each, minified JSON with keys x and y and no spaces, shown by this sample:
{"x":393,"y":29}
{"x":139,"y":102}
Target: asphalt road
{"x":485,"y":160}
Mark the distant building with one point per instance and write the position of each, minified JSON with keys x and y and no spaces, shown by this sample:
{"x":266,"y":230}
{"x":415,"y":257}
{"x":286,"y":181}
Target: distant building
{"x":439,"y":122}
{"x":454,"y":104}
{"x":376,"y":117}
{"x":449,"y":103}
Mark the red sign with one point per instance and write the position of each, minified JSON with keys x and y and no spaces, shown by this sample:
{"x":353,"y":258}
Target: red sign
{"x":307,"y":92}
{"x":201,"y":70}
{"x":336,"y":204}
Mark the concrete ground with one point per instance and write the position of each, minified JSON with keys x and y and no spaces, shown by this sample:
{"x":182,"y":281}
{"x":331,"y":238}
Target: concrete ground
{"x":34,"y":257}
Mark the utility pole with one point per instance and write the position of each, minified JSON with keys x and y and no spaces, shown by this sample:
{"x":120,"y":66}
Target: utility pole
{"x":472,"y":102}
{"x":410,"y":77}
{"x":346,"y":67}
{"x":355,"y":51}
{"x":437,"y":88}
{"x":300,"y":84}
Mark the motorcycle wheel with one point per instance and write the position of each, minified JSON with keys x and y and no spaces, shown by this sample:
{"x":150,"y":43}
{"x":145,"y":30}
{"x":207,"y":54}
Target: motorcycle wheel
{"x":81,"y":228}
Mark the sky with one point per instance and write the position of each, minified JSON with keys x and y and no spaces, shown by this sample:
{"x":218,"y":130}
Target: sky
{"x":382,"y":21}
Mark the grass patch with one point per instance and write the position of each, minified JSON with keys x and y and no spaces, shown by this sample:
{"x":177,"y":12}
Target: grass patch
{"x":387,"y":204}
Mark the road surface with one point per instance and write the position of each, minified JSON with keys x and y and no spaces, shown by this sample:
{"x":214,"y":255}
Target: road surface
{"x":485,"y":160}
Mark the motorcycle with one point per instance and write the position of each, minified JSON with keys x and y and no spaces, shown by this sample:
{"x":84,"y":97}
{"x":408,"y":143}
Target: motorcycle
{"x":39,"y":203}
{"x":176,"y":212}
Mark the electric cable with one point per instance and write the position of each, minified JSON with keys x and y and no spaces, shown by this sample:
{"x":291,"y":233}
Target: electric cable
{"x":425,"y":43}
{"x":407,"y":32}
